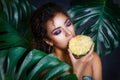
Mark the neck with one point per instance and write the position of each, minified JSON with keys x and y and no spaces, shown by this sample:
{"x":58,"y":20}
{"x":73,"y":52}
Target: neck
{"x":62,"y":55}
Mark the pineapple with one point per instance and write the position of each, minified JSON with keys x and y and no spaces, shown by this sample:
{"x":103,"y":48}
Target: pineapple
{"x":80,"y":45}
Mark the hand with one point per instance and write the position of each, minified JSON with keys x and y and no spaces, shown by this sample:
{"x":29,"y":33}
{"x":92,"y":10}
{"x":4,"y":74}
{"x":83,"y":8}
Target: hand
{"x":80,"y":64}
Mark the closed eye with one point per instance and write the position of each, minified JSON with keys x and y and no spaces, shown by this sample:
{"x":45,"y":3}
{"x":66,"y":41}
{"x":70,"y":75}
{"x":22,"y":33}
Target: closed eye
{"x":57,"y":32}
{"x":68,"y":23}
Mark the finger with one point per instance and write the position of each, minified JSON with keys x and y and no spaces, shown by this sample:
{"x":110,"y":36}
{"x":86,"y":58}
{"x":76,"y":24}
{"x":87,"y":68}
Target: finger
{"x":71,"y":55}
{"x":91,"y":50}
{"x":90,"y":58}
{"x":92,"y":47}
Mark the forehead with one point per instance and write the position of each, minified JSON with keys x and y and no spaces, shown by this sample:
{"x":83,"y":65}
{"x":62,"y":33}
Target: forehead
{"x":58,"y":20}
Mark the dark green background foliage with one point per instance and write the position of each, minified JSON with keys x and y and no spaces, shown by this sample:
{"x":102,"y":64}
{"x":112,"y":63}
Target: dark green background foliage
{"x":99,"y":19}
{"x":14,"y":23}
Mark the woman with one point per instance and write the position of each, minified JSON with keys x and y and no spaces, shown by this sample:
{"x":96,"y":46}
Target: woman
{"x":52,"y":29}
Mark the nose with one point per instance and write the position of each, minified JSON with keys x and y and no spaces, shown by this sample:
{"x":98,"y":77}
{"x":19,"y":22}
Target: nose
{"x":67,"y":32}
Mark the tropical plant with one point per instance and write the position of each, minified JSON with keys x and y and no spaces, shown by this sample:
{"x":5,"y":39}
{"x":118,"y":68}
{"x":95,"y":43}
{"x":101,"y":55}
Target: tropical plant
{"x":14,"y":23}
{"x":19,"y":64}
{"x":99,"y":19}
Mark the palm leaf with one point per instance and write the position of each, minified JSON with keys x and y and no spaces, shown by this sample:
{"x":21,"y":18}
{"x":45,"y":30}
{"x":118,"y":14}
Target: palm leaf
{"x":97,"y":19}
{"x":14,"y":23}
{"x":20,"y":64}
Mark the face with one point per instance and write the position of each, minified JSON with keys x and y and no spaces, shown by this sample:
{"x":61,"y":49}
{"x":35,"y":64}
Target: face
{"x":60,"y":30}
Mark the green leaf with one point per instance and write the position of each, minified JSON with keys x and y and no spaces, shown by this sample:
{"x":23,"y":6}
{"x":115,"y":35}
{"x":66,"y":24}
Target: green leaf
{"x":18,"y":63}
{"x":14,"y":23}
{"x":9,"y":36}
{"x":31,"y":59}
{"x":45,"y":63}
{"x":9,"y":59}
{"x":97,"y":20}
{"x":69,"y":77}
{"x":57,"y":70}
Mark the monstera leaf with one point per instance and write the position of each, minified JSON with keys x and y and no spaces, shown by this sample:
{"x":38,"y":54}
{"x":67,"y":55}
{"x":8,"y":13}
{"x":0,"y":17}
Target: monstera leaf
{"x":14,"y":23}
{"x":20,"y":64}
{"x":96,"y":18}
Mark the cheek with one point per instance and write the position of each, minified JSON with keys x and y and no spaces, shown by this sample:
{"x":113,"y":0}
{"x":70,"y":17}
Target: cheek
{"x":72,"y":29}
{"x":60,"y":42}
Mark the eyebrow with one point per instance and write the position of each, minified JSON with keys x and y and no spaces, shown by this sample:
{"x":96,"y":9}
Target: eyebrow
{"x":66,"y":20}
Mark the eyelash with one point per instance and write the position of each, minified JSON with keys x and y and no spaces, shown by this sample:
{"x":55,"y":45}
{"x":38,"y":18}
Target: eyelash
{"x":57,"y":32}
{"x":68,"y":23}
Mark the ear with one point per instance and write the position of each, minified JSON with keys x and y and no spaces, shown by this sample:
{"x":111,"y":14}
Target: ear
{"x":48,"y":42}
